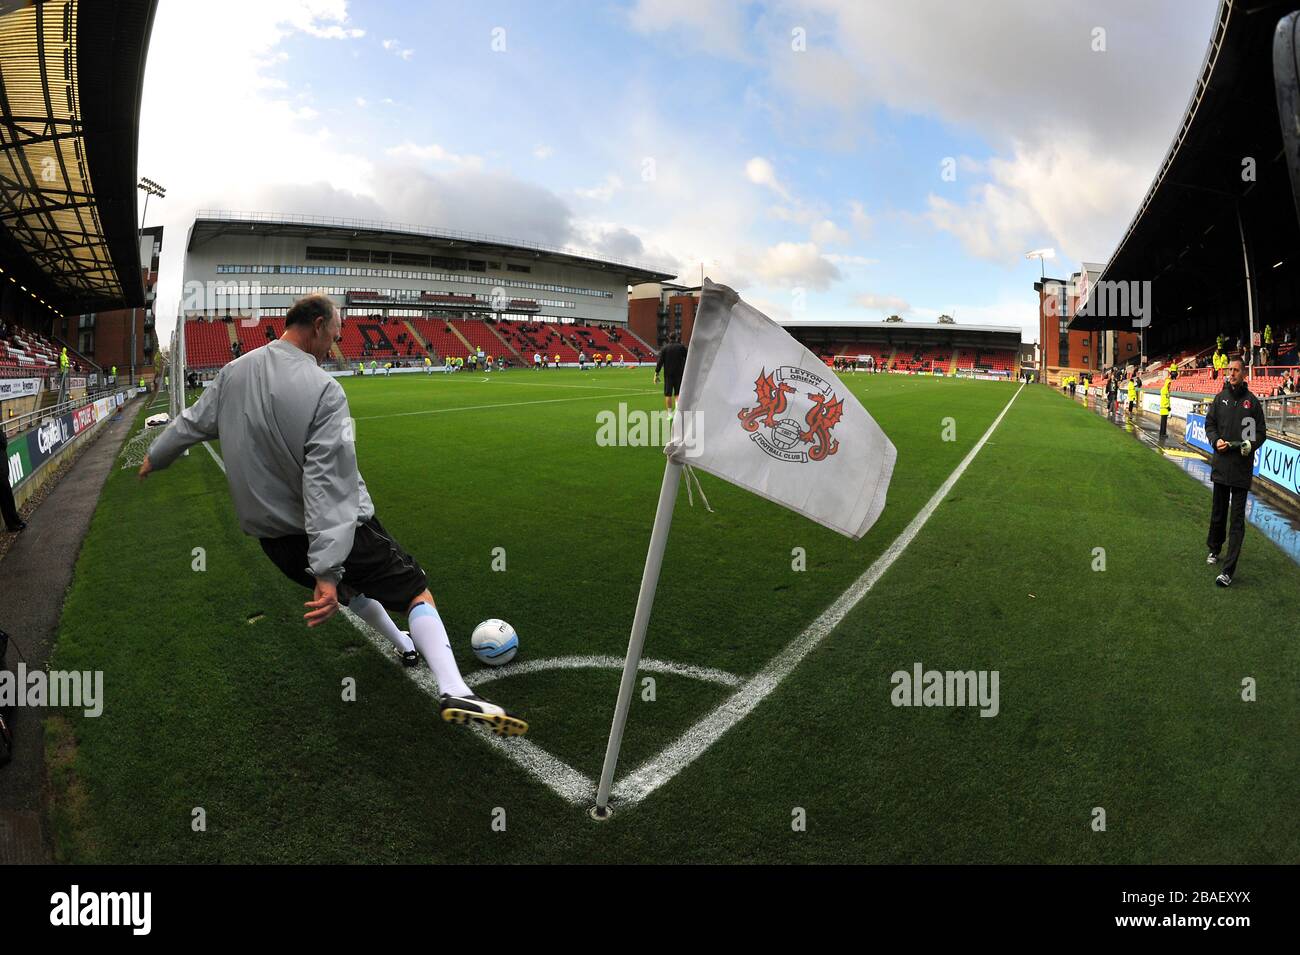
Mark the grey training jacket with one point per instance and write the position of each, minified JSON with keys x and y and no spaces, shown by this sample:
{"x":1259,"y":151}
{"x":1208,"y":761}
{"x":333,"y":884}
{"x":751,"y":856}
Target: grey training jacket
{"x":288,"y":444}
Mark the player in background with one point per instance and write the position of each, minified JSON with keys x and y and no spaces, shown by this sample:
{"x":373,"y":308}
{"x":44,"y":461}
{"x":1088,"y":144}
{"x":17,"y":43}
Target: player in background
{"x":537,"y":361}
{"x":291,"y":464}
{"x":582,"y":361}
{"x":672,"y":362}
{"x":428,"y":365}
{"x":557,"y":361}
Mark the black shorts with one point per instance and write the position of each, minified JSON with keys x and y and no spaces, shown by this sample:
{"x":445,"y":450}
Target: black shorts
{"x":672,"y":386}
{"x":376,"y":567}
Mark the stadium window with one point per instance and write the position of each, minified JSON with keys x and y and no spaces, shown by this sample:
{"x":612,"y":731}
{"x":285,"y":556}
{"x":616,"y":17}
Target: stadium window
{"x":323,"y":254}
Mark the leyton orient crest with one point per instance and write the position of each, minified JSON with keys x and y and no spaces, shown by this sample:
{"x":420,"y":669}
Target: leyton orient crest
{"x":795,"y":412}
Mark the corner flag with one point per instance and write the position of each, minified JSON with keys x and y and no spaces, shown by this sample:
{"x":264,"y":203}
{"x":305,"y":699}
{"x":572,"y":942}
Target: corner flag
{"x":760,"y":411}
{"x":769,"y":416}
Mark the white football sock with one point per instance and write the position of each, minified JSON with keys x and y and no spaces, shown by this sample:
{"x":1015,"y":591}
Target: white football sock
{"x":373,"y":613}
{"x":430,"y":638}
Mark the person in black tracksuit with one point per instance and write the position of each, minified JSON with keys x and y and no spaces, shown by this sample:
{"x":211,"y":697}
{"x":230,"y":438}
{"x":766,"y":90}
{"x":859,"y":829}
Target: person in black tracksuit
{"x":672,"y":362}
{"x":1234,"y":416}
{"x":13,"y":523}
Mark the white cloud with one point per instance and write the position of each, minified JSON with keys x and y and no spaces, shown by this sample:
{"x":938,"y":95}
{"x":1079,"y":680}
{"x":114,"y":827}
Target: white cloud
{"x":603,"y":192}
{"x":1076,"y":134}
{"x":395,"y":47}
{"x":185,"y":131}
{"x":542,"y":151}
{"x":714,"y":25}
{"x":889,"y":304}
{"x":1058,"y":189}
{"x":851,"y":259}
{"x":361,"y":102}
{"x":761,"y":172}
{"x":795,"y":264}
{"x":411,"y":152}
{"x":796,"y":213}
{"x":861,"y":222}
{"x":827,"y":232}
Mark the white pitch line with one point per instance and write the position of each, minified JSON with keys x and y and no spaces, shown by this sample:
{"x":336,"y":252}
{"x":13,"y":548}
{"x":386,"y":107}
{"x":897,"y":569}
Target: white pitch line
{"x":509,"y":404}
{"x":565,"y":781}
{"x":679,"y":754}
{"x":705,"y":674}
{"x":544,"y":384}
{"x":569,"y":784}
{"x":215,"y":457}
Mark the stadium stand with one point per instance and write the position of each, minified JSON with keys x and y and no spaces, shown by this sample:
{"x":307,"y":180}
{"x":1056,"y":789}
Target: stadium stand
{"x":26,"y":353}
{"x":545,"y":337}
{"x":379,"y":338}
{"x":597,"y":339}
{"x":440,"y":337}
{"x":480,"y":336}
{"x":924,"y":360}
{"x":207,"y":344}
{"x":375,"y":338}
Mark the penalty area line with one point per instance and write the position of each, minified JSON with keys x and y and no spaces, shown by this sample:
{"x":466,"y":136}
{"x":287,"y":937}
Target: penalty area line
{"x":692,"y":744}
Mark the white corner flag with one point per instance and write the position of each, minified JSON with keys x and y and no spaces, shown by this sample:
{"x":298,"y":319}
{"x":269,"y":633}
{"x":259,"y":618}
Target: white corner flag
{"x":760,"y":411}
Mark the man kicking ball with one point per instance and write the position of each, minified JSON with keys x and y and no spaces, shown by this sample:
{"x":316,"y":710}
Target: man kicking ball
{"x":291,"y":463}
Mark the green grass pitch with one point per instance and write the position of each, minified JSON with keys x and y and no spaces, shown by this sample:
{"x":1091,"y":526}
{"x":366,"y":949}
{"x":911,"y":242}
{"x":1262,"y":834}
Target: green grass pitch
{"x":1119,"y":689}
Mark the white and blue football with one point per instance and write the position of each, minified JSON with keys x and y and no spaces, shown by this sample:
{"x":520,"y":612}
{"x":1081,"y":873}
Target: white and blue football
{"x":495,"y":642}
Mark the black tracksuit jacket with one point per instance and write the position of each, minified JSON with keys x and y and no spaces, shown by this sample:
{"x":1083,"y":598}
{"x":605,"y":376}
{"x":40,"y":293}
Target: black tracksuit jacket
{"x":1226,"y":418}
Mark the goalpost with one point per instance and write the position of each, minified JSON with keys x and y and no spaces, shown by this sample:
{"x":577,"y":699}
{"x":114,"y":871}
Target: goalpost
{"x":177,"y":366}
{"x":137,"y":445}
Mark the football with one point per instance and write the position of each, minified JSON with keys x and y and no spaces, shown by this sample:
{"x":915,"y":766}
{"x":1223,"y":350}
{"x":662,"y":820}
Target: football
{"x":495,"y":642}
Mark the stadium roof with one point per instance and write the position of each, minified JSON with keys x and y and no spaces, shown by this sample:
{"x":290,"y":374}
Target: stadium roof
{"x":209,"y":224}
{"x":1184,"y":237}
{"x":71,"y":73}
{"x":906,"y":325}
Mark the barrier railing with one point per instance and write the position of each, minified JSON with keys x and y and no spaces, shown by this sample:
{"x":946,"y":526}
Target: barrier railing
{"x":1282,"y":413}
{"x":25,"y":422}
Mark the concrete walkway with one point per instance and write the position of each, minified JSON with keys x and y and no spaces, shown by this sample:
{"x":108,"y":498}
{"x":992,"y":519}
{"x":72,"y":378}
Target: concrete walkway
{"x":34,"y":578}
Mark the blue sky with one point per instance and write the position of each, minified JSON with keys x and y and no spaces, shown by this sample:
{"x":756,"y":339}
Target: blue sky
{"x":797,"y":148}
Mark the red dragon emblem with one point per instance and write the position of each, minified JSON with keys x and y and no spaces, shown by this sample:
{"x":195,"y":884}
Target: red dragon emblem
{"x":773,"y":422}
{"x":771,"y":402}
{"x":822,"y":416}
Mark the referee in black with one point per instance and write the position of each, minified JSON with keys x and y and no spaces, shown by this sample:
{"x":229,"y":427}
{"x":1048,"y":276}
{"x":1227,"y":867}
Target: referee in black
{"x":672,"y":362}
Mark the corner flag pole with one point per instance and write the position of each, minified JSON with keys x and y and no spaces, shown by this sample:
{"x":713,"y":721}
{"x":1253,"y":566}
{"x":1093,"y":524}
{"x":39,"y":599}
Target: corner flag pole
{"x":640,"y":622}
